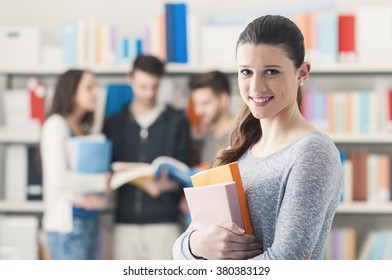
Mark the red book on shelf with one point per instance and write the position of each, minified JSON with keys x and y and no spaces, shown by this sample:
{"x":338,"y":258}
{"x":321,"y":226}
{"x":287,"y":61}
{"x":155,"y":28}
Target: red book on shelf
{"x":37,"y":99}
{"x":359,"y":160}
{"x":346,"y":26}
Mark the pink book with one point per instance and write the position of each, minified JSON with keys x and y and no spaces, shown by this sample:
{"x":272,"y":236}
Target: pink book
{"x":211,"y":204}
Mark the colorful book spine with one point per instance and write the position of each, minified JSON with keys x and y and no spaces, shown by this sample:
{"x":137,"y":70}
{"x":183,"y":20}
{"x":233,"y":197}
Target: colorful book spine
{"x":180,"y":33}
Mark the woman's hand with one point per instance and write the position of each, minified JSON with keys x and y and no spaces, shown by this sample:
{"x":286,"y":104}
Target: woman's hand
{"x":223,"y":241}
{"x":91,"y":202}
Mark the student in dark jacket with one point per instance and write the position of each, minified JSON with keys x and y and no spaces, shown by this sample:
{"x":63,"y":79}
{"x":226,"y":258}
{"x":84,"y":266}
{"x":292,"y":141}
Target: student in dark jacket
{"x":146,"y":222}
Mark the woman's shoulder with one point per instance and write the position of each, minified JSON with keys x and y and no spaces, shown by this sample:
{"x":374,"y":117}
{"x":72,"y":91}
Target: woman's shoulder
{"x":315,"y":143}
{"x":55,"y":121}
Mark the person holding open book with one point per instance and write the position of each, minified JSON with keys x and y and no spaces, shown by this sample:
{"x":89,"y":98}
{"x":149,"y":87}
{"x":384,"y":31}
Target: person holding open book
{"x":291,"y":172}
{"x":72,"y":202}
{"x":147,"y":213}
{"x":211,"y":99}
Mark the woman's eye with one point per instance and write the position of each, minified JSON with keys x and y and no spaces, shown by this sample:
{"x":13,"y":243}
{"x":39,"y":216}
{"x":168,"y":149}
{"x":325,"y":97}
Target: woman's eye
{"x":271,"y":72}
{"x":245,"y":72}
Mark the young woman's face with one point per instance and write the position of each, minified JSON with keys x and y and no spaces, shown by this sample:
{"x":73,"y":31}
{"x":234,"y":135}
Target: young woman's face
{"x":268,"y":80}
{"x":87,"y":93}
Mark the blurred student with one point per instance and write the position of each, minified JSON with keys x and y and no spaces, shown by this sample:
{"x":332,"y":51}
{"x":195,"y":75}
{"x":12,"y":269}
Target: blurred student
{"x":70,"y":220}
{"x":211,"y":99}
{"x":147,"y":222}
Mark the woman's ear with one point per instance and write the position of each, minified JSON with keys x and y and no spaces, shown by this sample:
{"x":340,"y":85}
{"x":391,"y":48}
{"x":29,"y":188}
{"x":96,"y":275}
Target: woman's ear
{"x":304,"y":72}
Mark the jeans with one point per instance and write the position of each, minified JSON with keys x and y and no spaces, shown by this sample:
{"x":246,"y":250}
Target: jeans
{"x":80,"y":244}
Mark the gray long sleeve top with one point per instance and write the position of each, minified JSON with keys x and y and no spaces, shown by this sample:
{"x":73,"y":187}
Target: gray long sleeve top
{"x":292,"y":197}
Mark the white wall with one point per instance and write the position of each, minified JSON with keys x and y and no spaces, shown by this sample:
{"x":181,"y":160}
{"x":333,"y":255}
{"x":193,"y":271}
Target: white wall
{"x":130,"y":16}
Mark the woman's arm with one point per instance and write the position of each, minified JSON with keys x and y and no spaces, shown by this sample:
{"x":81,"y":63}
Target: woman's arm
{"x":220,"y":241}
{"x":313,"y":187}
{"x":54,"y":161}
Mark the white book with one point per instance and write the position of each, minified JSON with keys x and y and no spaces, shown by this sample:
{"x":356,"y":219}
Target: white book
{"x":15,"y":172}
{"x":355,"y":112}
{"x":375,"y":116}
{"x":91,"y":41}
{"x":20,"y":46}
{"x":348,"y":181}
{"x":193,"y":37}
{"x":374,"y":47}
{"x":81,"y":42}
{"x":16,"y":101}
{"x":18,"y":238}
{"x":368,"y":245}
{"x":154,"y":36}
{"x":218,"y":43}
{"x":340,"y":105}
{"x":372,"y":167}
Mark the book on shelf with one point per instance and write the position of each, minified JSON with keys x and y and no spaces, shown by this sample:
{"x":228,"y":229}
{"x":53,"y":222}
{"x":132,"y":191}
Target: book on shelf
{"x":16,"y":158}
{"x":212,"y":212}
{"x":133,"y":172}
{"x":90,"y":154}
{"x":223,"y":175}
{"x":341,"y":244}
{"x":118,"y":96}
{"x":34,"y":175}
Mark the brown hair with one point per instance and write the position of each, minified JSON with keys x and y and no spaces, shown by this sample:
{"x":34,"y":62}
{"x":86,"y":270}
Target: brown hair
{"x":149,"y":64}
{"x":270,"y":30}
{"x":215,"y":80}
{"x":64,"y":95}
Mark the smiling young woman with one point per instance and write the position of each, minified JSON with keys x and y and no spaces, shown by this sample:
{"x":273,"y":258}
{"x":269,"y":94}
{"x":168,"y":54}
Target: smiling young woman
{"x":291,"y":172}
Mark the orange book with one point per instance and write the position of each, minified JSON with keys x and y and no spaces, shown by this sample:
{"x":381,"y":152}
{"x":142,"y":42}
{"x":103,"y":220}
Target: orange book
{"x":384,"y":178}
{"x":224,"y":174}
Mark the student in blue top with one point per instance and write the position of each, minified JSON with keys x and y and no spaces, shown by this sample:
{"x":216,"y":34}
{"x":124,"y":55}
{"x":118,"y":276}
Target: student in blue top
{"x":291,"y":172}
{"x":71,"y":217}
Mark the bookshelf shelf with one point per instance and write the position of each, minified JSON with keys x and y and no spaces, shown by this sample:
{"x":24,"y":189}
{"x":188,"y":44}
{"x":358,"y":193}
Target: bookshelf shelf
{"x":364,"y":208}
{"x":22,"y":206}
{"x":25,"y":137}
{"x":361,"y":138}
{"x":178,"y":69}
{"x":172,"y":68}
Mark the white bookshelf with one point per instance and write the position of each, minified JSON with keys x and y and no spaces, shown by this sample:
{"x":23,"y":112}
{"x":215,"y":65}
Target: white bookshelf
{"x":18,"y":136}
{"x":364,"y":208}
{"x":173,"y":68}
{"x":10,"y":136}
{"x":350,"y":138}
{"x":22,"y":206}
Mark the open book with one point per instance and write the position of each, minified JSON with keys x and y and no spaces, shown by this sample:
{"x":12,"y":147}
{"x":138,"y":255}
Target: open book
{"x":133,"y":172}
{"x":223,"y":175}
{"x":213,"y":204}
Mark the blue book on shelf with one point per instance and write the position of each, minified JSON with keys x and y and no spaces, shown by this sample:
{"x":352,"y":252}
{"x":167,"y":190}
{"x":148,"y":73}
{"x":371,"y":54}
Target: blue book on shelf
{"x":139,"y":46}
{"x":123,"y":50}
{"x":180,"y":35}
{"x":328,"y":37}
{"x":378,"y":246}
{"x":169,"y":14}
{"x":133,"y":49}
{"x":364,"y":109}
{"x":70,"y":43}
{"x":117,"y":98}
{"x":90,"y":155}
